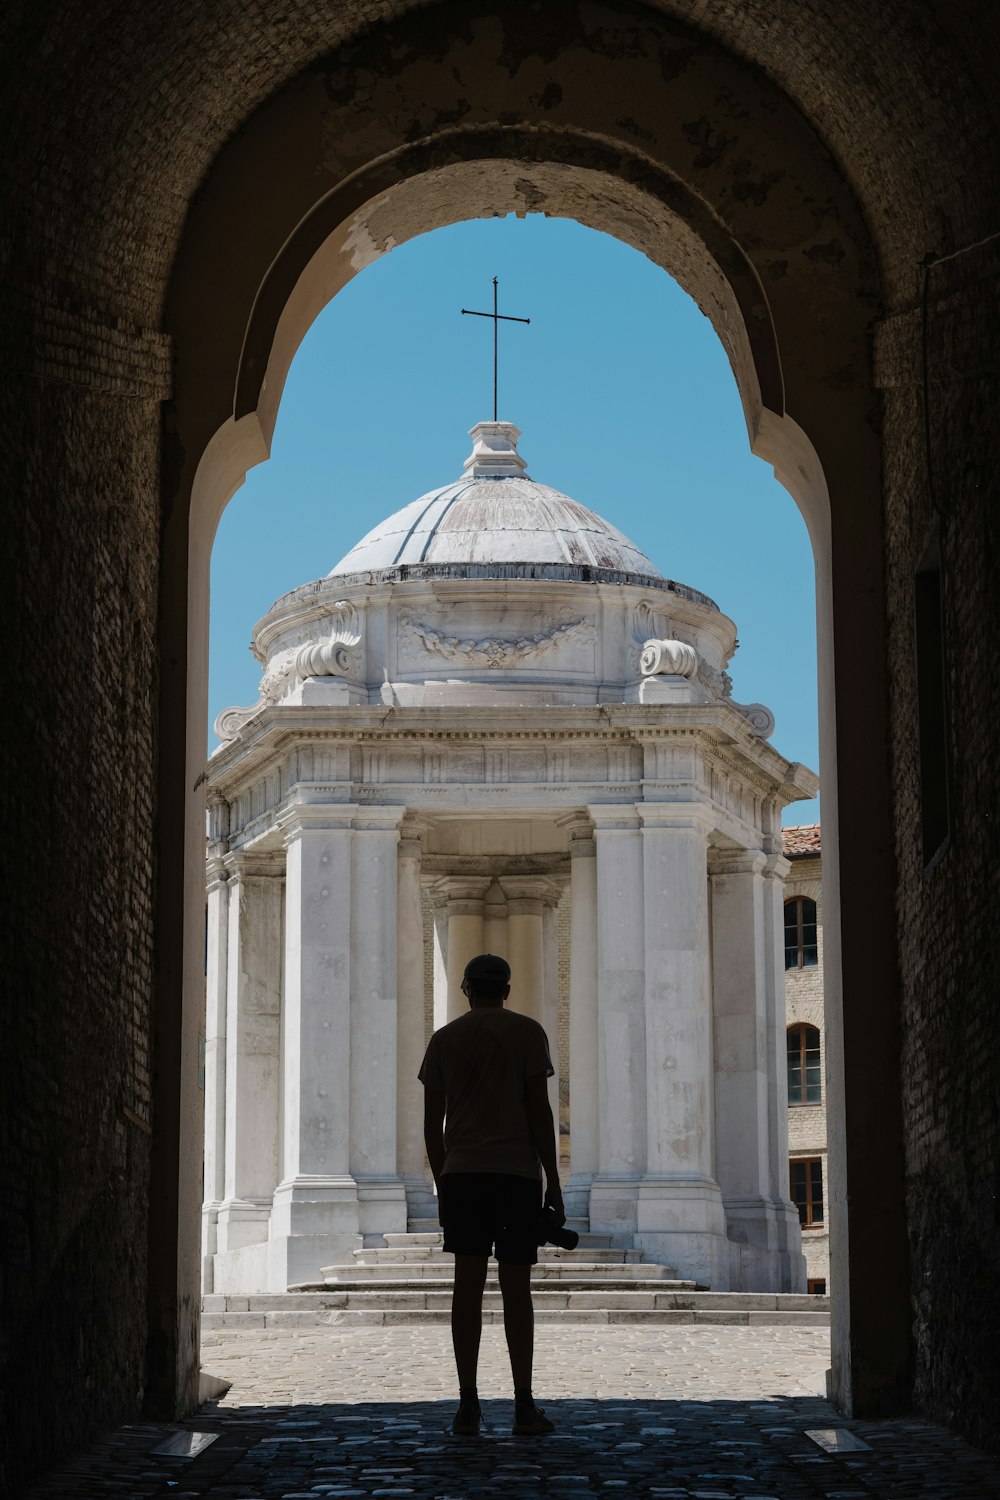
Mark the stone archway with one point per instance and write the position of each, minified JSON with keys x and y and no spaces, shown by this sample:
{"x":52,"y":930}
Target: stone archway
{"x":633,"y":125}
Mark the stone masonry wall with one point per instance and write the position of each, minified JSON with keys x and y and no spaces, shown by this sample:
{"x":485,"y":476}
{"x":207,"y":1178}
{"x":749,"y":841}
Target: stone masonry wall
{"x":947,"y":912}
{"x":78,"y":874}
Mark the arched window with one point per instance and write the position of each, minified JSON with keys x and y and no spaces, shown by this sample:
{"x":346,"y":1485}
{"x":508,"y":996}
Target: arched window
{"x":801,"y":950}
{"x":805,"y":1083}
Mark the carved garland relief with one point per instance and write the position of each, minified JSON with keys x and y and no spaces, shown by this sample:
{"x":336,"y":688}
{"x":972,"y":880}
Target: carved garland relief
{"x":494,"y":651}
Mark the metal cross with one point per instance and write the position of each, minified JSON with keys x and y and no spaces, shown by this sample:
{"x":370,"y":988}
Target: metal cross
{"x":497,"y":318}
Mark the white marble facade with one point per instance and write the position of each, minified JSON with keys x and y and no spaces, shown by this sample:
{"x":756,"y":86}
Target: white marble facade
{"x":496,"y":697}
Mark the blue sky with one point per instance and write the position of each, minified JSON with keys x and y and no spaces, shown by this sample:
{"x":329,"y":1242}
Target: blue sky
{"x":626,"y":401}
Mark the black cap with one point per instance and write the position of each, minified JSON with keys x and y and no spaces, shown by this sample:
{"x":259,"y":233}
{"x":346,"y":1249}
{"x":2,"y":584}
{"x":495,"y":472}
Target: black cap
{"x":487,"y":966}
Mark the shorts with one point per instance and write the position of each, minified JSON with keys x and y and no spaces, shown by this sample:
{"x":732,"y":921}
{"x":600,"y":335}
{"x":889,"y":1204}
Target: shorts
{"x":480,"y":1210}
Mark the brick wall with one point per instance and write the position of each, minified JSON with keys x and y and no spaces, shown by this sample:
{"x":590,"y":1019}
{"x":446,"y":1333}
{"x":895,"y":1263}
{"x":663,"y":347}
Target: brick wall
{"x":947,"y":913}
{"x":78,"y":820}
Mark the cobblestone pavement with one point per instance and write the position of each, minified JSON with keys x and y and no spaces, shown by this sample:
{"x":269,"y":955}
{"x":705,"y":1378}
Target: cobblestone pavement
{"x":664,"y":1413}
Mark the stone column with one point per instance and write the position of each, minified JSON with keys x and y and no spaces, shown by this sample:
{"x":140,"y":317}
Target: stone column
{"x":791,"y":1261}
{"x":253,"y":1069}
{"x":216,"y":974}
{"x":315,"y":1217}
{"x":374,"y":1009}
{"x":680,"y":1219}
{"x":526,"y":895}
{"x":463,"y":899}
{"x":410,"y":1039}
{"x":743,"y":1075}
{"x":495,"y":920}
{"x":440,"y":975}
{"x":621,"y":1023}
{"x":583,"y":1049}
{"x":550,"y":990}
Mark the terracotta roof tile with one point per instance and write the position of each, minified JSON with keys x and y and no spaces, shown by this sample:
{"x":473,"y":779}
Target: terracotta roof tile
{"x":802,"y":841}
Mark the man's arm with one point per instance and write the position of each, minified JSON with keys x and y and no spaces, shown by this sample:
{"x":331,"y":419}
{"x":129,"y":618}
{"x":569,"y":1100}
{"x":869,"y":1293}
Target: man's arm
{"x":434,"y":1111}
{"x":543,"y":1138}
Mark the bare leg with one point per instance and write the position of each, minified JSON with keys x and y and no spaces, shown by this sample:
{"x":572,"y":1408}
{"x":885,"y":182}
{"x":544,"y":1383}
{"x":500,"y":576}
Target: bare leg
{"x":518,"y":1321}
{"x":467,"y":1314}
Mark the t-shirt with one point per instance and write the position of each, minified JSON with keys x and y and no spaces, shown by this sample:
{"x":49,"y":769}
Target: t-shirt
{"x":481,"y":1062}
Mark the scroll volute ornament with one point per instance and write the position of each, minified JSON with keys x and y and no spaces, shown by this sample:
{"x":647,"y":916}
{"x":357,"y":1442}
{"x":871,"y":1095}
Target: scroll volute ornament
{"x":668,"y":659}
{"x":332,"y":657}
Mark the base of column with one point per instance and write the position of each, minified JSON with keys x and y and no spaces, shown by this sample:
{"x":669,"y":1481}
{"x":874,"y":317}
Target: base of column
{"x":421,"y":1202}
{"x":209,"y":1245}
{"x":765,"y":1246}
{"x":381,"y":1208}
{"x":315,"y":1223}
{"x":242,"y":1221}
{"x":681,"y":1224}
{"x":614,"y":1207}
{"x":576,"y":1195}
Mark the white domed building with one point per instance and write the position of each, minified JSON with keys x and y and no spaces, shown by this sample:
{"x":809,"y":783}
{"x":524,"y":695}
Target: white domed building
{"x":495,"y":725}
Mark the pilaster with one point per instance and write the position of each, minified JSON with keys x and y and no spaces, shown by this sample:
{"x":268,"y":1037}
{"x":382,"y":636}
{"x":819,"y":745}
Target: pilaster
{"x":216,"y":975}
{"x":680,"y":1216}
{"x":410,"y":1038}
{"x":315,"y":1217}
{"x":372,"y":1157}
{"x":583,"y":1020}
{"x":253,"y":1047}
{"x":550,"y":992}
{"x":621,"y":1022}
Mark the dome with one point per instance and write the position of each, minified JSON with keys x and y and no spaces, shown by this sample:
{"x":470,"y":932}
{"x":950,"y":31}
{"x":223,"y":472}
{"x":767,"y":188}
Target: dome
{"x":496,"y":514}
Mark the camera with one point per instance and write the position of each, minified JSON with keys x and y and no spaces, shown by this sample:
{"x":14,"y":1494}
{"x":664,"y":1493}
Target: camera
{"x":551,"y":1232}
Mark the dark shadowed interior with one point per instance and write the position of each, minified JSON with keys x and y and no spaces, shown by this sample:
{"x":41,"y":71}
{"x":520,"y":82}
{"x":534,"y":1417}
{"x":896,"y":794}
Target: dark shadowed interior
{"x":185,"y":186}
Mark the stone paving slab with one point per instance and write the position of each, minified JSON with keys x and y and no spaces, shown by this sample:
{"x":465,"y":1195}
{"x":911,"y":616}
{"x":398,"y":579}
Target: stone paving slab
{"x":668,"y":1413}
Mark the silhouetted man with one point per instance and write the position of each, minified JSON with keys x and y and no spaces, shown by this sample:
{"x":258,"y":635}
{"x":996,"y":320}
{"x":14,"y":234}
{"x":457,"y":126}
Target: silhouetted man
{"x":487,"y":1072}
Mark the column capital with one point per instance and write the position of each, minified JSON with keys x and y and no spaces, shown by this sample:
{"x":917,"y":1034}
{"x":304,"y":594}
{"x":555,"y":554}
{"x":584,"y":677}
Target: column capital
{"x":696,"y":816}
{"x":412,"y":832}
{"x":466,"y":890}
{"x":614,"y":817}
{"x":533,"y":888}
{"x":776,"y":866}
{"x":580,"y":827}
{"x":248,"y":864}
{"x":736,"y":862}
{"x":297,"y":819}
{"x":577,"y":823}
{"x":216,"y":874}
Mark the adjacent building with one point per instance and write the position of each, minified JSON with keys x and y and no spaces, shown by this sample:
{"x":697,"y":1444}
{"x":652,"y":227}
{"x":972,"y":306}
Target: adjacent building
{"x":806,"y":1033}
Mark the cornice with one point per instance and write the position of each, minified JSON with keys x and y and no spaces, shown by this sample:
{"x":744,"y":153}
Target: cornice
{"x":279,"y":730}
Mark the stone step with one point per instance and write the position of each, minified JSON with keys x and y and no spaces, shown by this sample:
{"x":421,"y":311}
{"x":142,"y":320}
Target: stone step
{"x":421,"y":1228}
{"x":379,"y":1316}
{"x":676,"y":1294}
{"x":551,"y":1286}
{"x":597,"y":1244}
{"x":652,"y":1304}
{"x":375,"y":1255}
{"x":544,"y":1271}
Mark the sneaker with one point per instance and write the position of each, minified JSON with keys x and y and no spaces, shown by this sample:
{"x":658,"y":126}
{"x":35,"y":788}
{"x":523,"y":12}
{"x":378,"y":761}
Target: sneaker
{"x":531,"y":1421}
{"x":467,"y":1420}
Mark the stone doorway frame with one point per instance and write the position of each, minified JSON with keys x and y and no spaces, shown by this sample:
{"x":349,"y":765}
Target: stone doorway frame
{"x":682,"y":151}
